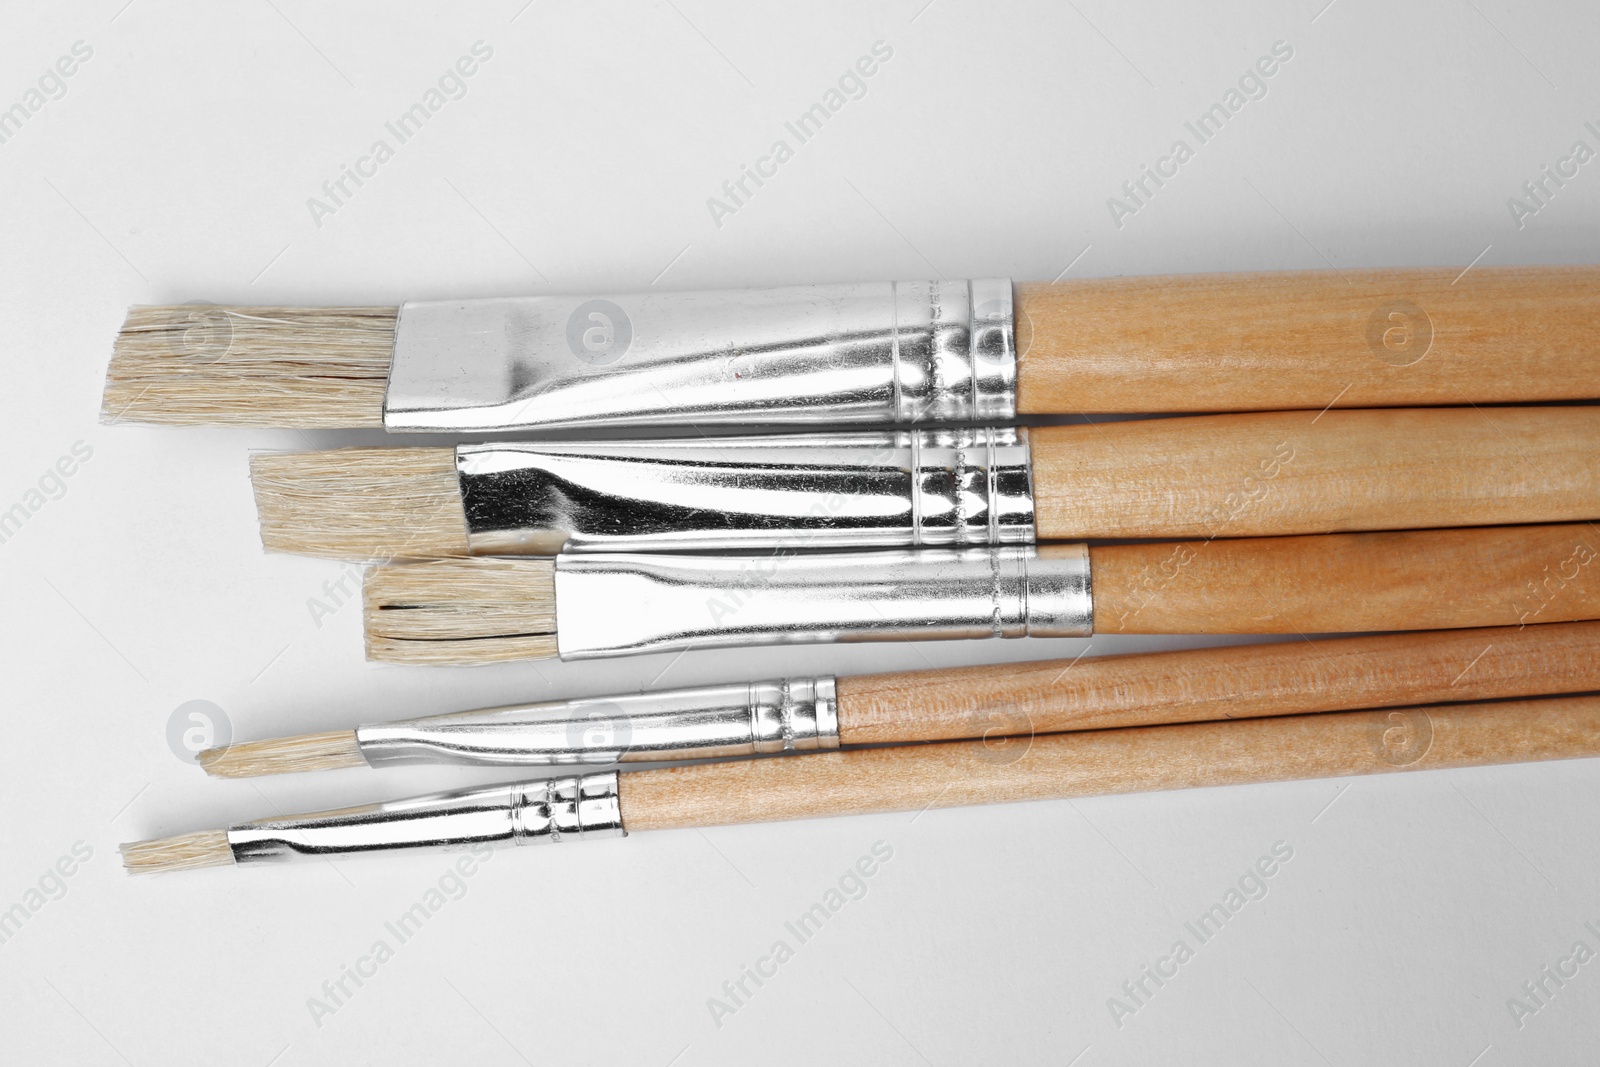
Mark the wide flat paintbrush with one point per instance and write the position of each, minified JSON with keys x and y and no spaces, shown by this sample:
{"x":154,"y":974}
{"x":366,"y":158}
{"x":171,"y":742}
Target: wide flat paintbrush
{"x":913,"y":777}
{"x":589,"y":605}
{"x":1003,"y":703}
{"x":1205,"y":476}
{"x":951,"y":351}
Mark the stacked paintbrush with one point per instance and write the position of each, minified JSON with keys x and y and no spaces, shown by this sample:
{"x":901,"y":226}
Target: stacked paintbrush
{"x":1314,"y":518}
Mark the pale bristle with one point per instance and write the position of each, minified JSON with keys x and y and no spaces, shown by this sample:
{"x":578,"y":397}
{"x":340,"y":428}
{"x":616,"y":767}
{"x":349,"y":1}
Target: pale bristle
{"x":210,"y":365}
{"x":361,"y":503}
{"x":188,"y":852}
{"x":461,"y":611}
{"x":461,"y":653}
{"x":330,"y":751}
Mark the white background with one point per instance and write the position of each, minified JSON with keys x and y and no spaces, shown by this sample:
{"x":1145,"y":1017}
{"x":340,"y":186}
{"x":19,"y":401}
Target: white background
{"x":177,"y":167}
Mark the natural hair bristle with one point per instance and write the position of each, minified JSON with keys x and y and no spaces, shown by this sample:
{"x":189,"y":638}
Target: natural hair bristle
{"x":212,"y":365}
{"x":361,"y":503}
{"x":330,"y":751}
{"x":461,"y":611}
{"x":187,"y":852}
{"x":462,"y":652}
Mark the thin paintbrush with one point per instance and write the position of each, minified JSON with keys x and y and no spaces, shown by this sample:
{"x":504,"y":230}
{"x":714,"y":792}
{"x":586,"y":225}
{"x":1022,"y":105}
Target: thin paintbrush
{"x":1002,"y":703}
{"x":589,"y":605}
{"x":914,"y":777}
{"x":949,"y":351}
{"x":1208,"y":476}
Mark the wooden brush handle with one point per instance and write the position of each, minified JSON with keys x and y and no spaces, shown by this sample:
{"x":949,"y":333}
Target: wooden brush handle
{"x":1010,"y":702}
{"x":1314,"y":472}
{"x":1342,"y":583}
{"x":1098,"y":762}
{"x":1256,"y":342}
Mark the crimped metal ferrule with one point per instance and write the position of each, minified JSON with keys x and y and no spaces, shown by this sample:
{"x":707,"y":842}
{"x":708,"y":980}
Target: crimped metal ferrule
{"x":796,"y":715}
{"x":556,"y":809}
{"x":873,"y":489}
{"x":882,"y":352}
{"x":616,"y":603}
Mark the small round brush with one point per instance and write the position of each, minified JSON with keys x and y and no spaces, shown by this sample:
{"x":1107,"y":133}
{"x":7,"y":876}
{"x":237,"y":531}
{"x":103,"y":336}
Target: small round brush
{"x":1013,"y":699}
{"x":913,"y":777}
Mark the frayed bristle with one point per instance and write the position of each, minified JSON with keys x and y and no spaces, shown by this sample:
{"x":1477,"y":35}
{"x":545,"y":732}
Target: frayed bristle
{"x":188,"y":852}
{"x":461,"y":611}
{"x":210,"y":365}
{"x":361,"y":503}
{"x":285,"y":755}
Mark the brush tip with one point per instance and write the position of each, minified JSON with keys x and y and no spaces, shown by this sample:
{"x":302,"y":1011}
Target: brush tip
{"x":208,"y":365}
{"x":186,"y":852}
{"x":330,"y":751}
{"x":361,"y":503}
{"x":468,"y":611}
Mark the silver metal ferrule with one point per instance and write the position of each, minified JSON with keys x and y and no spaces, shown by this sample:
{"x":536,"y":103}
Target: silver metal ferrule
{"x":559,"y":809}
{"x":884,"y":352}
{"x":873,"y":489}
{"x":797,"y":715}
{"x":617,"y":603}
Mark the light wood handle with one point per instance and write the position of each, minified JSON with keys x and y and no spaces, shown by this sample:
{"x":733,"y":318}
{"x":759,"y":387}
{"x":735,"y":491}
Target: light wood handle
{"x":1343,"y":583}
{"x":1098,"y":762}
{"x":1008,"y":703}
{"x":1309,"y":472}
{"x":1260,"y":342}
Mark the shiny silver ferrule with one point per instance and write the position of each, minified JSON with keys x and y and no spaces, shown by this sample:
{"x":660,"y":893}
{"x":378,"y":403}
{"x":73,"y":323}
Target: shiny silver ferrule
{"x":879,"y":352}
{"x":797,"y":715}
{"x":610,"y":604}
{"x":871,"y":489}
{"x":559,"y":809}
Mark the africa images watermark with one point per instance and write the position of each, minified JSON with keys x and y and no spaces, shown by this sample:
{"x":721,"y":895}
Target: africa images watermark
{"x":757,"y":573}
{"x":352,"y":978}
{"x":1252,"y":85}
{"x":51,"y":85}
{"x":1552,"y":582}
{"x":344,"y":590}
{"x":1540,"y":190}
{"x":851,"y":85}
{"x":1253,"y":490}
{"x":451,"y":85}
{"x":1538,"y":991}
{"x":51,"y":485}
{"x":738,"y":991}
{"x":1252,"y":885}
{"x":49,"y":886}
{"x":196,"y":725}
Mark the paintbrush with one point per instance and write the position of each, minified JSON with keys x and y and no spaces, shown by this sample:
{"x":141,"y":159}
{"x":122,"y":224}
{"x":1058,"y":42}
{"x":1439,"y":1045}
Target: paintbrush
{"x":1000,"y":703}
{"x":912,"y":778}
{"x":947,"y":351}
{"x":590,"y":605}
{"x":1204,"y":476}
